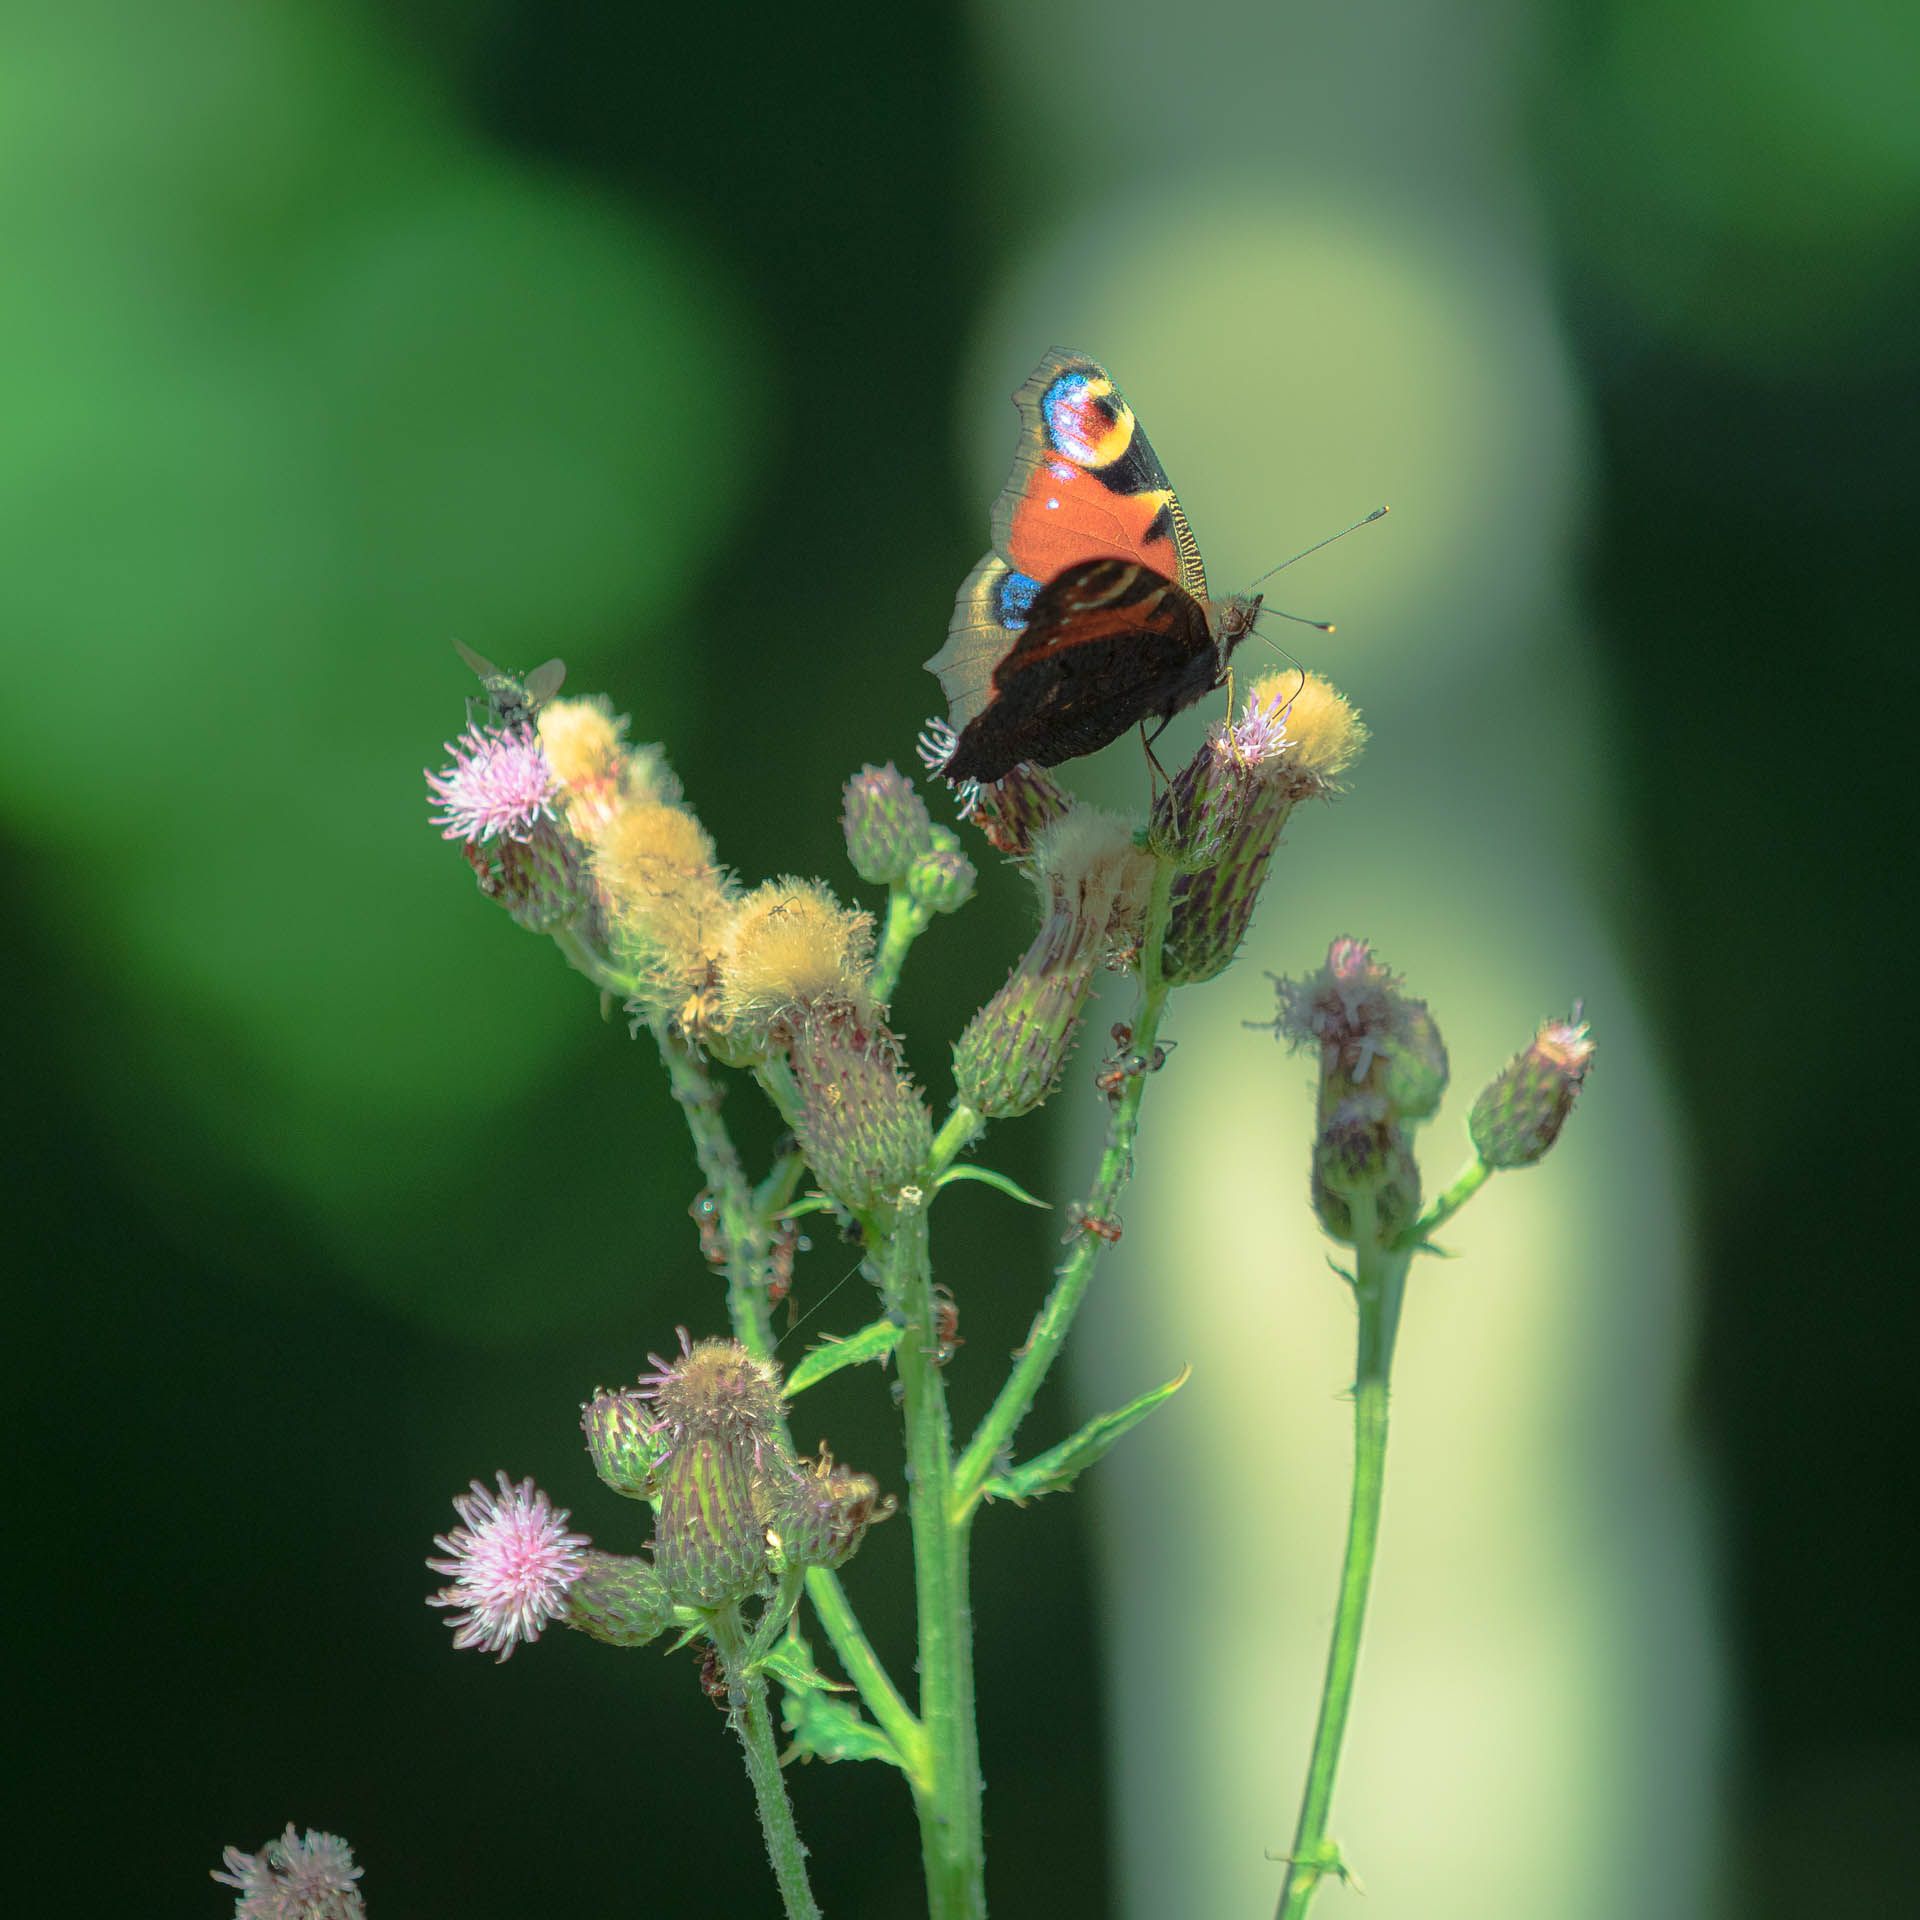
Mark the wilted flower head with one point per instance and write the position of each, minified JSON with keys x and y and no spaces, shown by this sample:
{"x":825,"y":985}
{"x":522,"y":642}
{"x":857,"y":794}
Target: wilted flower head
{"x":292,"y":1878}
{"x":511,"y":1566}
{"x":499,"y":787}
{"x":668,"y":905}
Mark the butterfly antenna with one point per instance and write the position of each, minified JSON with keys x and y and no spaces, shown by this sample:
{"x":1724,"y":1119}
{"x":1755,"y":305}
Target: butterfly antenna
{"x":1367,"y":520}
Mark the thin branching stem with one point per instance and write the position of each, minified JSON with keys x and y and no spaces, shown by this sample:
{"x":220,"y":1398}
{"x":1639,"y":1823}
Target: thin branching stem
{"x":1380,"y":1276}
{"x":1055,"y":1319}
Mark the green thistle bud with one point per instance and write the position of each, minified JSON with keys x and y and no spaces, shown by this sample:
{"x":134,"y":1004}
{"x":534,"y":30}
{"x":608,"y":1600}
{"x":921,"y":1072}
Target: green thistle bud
{"x":1015,"y":1048}
{"x":1520,"y":1114}
{"x":626,"y":1439}
{"x":710,"y":1544}
{"x":1360,"y":1153}
{"x":1414,"y":1063}
{"x":1093,"y":883}
{"x":720,"y":1409}
{"x":862,"y":1124}
{"x":1015,"y":810}
{"x":942,"y":878}
{"x":618,"y":1599}
{"x":886,"y":823}
{"x":823,"y":1513}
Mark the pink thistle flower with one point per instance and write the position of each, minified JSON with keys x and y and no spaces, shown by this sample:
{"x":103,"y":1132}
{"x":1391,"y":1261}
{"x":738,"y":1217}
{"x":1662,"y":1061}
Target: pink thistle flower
{"x":511,"y":1566}
{"x":499,"y":787}
{"x":1260,"y":734}
{"x":295,"y":1879}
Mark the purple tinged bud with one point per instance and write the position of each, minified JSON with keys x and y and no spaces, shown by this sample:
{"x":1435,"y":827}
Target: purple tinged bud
{"x":1361,"y":1153}
{"x":626,"y":1439}
{"x":886,"y":823}
{"x":1520,"y":1114}
{"x":942,"y":878}
{"x":862,"y":1125}
{"x":822,"y":1516}
{"x":619,"y":1599}
{"x":1015,"y":810}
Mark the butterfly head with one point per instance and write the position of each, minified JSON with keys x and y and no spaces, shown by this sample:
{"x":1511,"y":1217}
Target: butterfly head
{"x":1232,"y":620}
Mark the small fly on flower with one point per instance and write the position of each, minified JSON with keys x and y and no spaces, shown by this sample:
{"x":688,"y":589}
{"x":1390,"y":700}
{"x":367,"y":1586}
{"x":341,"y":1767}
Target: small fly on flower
{"x":512,"y":701}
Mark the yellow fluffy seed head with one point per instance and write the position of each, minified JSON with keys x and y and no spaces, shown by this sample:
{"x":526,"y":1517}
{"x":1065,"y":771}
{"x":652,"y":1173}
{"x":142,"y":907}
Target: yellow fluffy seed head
{"x":791,"y":945}
{"x":1324,"y":733}
{"x":582,"y":739}
{"x":667,"y":901}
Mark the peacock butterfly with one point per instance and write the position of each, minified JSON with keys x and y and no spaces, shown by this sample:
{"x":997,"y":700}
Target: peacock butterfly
{"x":1091,"y":612}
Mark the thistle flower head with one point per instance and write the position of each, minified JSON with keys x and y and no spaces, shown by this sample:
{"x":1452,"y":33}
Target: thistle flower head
{"x":862,"y":1124}
{"x":886,"y":824}
{"x":1223,"y":813}
{"x":510,"y":1566}
{"x":942,"y":879}
{"x":1015,"y":809}
{"x":618,"y":1599}
{"x":667,"y":902}
{"x":1520,"y":1114}
{"x":713,"y":1387}
{"x":626,"y":1439}
{"x":825,"y":1512}
{"x":1092,"y":877}
{"x":1093,"y":882}
{"x":791,"y":947}
{"x":1361,"y":1154}
{"x":499,"y":787}
{"x":295,"y":1878}
{"x":584,"y":740}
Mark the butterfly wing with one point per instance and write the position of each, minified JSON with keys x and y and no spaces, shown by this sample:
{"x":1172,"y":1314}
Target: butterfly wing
{"x":1086,"y":486}
{"x":1105,"y":643}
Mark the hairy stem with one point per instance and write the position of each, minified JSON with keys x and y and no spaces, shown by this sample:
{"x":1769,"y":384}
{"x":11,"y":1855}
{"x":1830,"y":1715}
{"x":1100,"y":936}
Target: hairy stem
{"x":1379,"y":1286}
{"x":951,"y":1845}
{"x":907,"y":920}
{"x":747,"y":1709}
{"x":745,"y":1223}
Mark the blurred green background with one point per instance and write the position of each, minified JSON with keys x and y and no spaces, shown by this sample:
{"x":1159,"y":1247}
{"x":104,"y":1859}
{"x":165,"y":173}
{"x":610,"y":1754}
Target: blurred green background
{"x":677,"y":342}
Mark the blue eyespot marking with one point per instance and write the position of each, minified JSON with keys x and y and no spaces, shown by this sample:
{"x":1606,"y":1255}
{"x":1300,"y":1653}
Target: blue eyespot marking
{"x":1014,"y":598}
{"x":1074,"y":423}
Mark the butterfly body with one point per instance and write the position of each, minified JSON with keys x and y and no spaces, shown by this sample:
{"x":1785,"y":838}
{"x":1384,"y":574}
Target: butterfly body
{"x":1091,"y":613}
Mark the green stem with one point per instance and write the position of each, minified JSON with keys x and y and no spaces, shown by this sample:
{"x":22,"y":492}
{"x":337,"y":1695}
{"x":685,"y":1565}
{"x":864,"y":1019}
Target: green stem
{"x":1466,"y":1184}
{"x":907,"y":920}
{"x":747,"y":1702}
{"x":1379,"y":1288}
{"x":995,"y":1433}
{"x":951,"y":1847}
{"x":745,"y":1218}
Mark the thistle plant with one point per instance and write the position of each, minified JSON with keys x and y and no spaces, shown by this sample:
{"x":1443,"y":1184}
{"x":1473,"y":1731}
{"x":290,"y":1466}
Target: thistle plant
{"x":589,"y":840}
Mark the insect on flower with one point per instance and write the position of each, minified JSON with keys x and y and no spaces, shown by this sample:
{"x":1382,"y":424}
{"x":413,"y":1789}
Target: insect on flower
{"x":511,"y":700}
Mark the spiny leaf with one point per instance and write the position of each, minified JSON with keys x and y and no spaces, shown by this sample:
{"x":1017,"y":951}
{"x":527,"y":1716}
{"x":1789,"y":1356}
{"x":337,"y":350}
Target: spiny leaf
{"x":1055,"y":1470}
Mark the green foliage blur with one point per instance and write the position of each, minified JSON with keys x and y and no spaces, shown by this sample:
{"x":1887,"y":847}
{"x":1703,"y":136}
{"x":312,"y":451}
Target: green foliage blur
{"x":332,"y":332}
